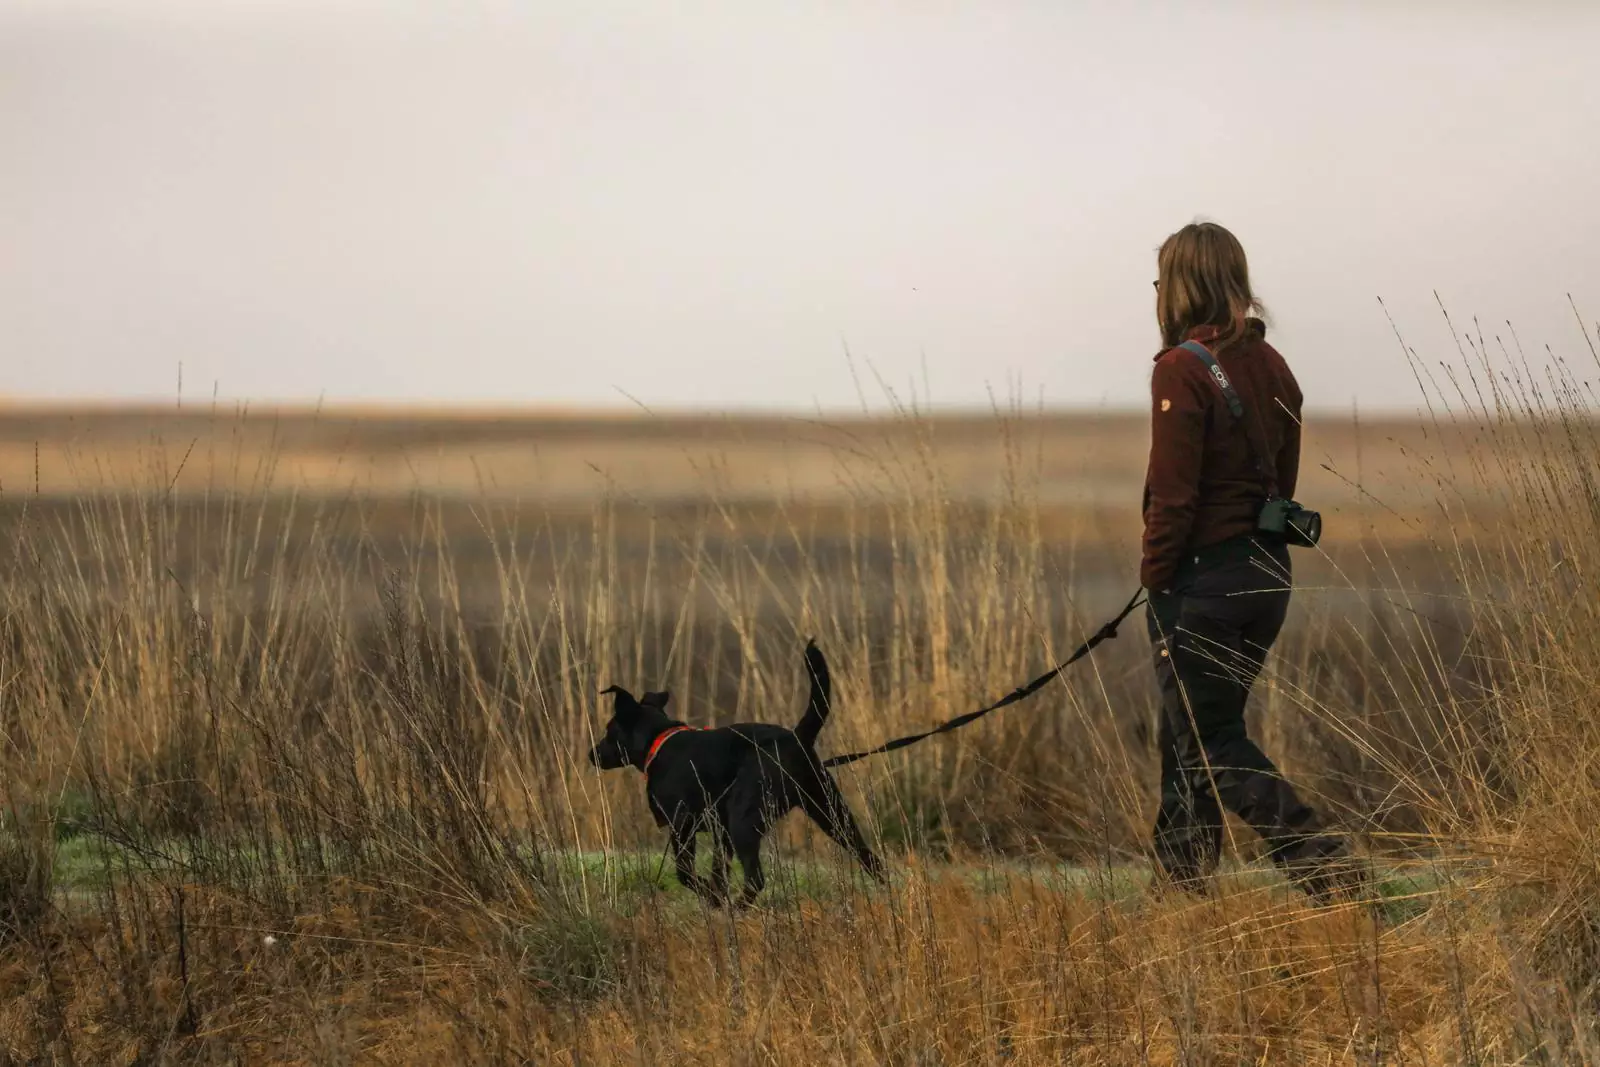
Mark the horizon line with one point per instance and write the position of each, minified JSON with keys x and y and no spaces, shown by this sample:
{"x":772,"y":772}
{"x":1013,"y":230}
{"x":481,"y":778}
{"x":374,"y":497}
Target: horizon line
{"x":487,"y":409}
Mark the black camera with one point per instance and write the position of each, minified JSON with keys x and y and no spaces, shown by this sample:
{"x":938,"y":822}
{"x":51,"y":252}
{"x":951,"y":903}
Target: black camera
{"x":1298,"y":526}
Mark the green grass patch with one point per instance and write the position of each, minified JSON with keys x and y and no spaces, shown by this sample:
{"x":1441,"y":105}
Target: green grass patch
{"x":624,"y":880}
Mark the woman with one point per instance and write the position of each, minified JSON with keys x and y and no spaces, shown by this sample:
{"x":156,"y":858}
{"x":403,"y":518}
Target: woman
{"x":1218,"y":589}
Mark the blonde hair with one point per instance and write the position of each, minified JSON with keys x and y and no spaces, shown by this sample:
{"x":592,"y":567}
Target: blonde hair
{"x":1203,"y":280}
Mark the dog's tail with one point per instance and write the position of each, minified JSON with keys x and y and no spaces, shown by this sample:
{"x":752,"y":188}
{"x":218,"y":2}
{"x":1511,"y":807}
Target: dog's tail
{"x":817,"y":710}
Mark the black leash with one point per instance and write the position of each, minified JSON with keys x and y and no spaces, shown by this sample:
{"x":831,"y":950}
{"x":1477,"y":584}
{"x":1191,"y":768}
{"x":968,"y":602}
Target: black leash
{"x":1105,"y":633}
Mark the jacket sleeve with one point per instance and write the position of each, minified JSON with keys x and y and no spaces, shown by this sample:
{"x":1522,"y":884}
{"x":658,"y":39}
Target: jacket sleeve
{"x":1172,"y":485}
{"x":1289,"y":459}
{"x":1289,"y":455}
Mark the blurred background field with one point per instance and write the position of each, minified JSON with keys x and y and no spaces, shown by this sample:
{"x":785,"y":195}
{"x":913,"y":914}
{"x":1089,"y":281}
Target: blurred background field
{"x":1084,"y":462}
{"x":367,"y":476}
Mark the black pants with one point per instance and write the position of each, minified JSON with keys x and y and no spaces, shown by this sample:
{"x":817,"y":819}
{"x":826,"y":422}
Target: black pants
{"x":1210,"y":637}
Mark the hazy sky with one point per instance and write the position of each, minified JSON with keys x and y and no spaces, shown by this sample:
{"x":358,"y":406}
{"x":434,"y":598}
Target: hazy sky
{"x":578,"y":202}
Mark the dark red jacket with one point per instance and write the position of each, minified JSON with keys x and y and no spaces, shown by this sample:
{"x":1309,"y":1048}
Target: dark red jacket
{"x":1203,"y":484}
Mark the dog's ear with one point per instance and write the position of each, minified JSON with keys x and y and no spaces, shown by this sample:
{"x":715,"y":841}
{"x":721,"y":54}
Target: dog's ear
{"x":623,"y":700}
{"x":656,"y":700}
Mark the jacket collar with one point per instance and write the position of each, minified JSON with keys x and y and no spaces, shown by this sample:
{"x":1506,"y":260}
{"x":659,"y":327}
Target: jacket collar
{"x":1207,"y":334}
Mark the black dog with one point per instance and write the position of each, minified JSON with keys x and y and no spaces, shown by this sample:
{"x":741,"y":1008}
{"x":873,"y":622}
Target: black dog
{"x":736,"y":781}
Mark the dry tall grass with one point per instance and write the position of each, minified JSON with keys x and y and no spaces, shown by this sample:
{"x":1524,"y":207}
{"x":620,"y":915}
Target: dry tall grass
{"x":294,"y":775}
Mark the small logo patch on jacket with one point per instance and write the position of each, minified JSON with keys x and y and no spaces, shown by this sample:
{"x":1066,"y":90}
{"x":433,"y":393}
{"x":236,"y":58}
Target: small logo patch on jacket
{"x":1166,"y":405}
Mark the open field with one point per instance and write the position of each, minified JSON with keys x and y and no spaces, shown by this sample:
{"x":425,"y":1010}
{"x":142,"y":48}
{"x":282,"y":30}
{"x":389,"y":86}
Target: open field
{"x":1069,"y":464}
{"x":293,"y":708}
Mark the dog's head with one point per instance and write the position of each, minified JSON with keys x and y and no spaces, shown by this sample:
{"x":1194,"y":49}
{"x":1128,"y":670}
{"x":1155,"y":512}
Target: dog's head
{"x":634,"y":724}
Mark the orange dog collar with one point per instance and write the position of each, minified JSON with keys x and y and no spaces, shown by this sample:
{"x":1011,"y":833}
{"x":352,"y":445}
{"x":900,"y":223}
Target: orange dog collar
{"x":661,"y":739}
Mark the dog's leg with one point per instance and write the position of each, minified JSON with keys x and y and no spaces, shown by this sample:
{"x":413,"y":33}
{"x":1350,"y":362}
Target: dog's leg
{"x":746,"y":814}
{"x":683,"y":853}
{"x":721,"y":846}
{"x":827,"y":808}
{"x":747,"y":846}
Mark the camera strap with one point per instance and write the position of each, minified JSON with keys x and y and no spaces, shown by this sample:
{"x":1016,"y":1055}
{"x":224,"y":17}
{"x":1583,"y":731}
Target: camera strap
{"x":1230,"y":395}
